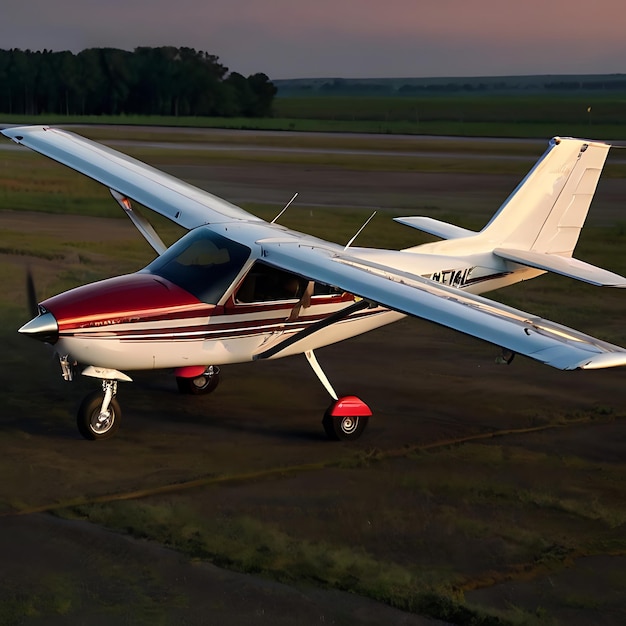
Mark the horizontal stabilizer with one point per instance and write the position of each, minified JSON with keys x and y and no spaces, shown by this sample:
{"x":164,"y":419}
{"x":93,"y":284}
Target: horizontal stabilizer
{"x":435,"y":227}
{"x":566,"y":266}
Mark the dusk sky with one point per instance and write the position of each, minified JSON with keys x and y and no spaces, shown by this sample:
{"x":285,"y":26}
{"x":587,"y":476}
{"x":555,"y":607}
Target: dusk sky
{"x":341,"y":38}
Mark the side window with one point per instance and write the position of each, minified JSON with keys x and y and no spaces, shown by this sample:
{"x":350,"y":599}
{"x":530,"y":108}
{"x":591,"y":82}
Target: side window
{"x":320,"y":289}
{"x":268,"y":284}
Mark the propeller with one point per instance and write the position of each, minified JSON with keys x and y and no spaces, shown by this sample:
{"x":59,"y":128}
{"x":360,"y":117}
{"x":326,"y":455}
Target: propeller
{"x":43,"y":325}
{"x":31,"y":294}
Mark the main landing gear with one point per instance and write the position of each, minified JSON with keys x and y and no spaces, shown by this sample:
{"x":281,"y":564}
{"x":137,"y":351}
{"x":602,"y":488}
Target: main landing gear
{"x":346,"y":418}
{"x":197,"y":380}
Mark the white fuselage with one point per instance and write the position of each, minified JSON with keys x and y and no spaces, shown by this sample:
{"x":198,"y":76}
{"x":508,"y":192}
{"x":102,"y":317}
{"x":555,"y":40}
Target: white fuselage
{"x":137,"y":330}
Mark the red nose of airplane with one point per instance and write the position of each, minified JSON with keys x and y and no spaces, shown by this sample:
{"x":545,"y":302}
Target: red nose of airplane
{"x":140,"y":297}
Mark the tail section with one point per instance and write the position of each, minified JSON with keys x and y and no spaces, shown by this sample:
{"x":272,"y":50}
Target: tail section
{"x":544,"y":214}
{"x":539,"y":224}
{"x":548,"y":209}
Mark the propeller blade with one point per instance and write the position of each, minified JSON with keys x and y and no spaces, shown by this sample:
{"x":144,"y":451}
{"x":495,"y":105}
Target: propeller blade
{"x":31,"y":293}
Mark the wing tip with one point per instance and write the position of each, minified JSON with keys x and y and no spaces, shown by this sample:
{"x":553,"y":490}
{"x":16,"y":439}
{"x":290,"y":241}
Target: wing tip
{"x":17,"y":132}
{"x":602,"y":361}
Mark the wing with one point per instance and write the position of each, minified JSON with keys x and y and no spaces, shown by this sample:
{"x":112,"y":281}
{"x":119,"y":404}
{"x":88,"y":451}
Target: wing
{"x":510,"y":328}
{"x":180,"y":202}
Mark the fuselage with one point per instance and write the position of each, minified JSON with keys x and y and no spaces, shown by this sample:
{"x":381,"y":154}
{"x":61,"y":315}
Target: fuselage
{"x":213,"y":299}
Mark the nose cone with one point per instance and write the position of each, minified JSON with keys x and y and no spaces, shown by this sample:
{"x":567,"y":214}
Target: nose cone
{"x":43,"y":327}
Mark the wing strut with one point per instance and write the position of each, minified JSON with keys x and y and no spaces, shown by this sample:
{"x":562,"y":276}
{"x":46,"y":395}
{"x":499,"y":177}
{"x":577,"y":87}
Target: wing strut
{"x":313,"y":328}
{"x":142,"y":224}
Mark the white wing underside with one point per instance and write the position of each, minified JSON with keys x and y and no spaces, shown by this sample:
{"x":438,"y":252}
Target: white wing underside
{"x":520,"y":332}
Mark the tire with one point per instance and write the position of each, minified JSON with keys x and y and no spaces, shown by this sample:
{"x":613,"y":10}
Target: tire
{"x":347,"y":428}
{"x":89,"y":426}
{"x":207,"y":382}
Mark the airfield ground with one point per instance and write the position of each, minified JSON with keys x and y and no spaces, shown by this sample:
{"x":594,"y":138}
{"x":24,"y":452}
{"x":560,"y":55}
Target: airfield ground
{"x":479,"y":492}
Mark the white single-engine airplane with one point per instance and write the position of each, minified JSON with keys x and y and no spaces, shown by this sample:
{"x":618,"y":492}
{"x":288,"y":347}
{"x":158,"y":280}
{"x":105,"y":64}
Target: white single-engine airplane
{"x":236,"y":288}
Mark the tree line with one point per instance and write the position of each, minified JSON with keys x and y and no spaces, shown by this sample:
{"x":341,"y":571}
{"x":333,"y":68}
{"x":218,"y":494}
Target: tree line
{"x":148,"y":81}
{"x":485,"y":85}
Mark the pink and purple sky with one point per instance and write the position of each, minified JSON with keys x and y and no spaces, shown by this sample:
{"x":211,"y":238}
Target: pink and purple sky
{"x":341,"y":38}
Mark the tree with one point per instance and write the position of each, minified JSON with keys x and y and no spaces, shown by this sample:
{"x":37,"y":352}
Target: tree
{"x":92,"y":82}
{"x":148,"y":81}
{"x":264,"y":92}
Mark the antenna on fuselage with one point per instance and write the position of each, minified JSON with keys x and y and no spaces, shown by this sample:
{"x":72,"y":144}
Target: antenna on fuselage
{"x":295,"y":195}
{"x":358,"y":232}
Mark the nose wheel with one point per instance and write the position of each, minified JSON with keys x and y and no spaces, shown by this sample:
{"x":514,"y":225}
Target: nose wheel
{"x":99,"y":416}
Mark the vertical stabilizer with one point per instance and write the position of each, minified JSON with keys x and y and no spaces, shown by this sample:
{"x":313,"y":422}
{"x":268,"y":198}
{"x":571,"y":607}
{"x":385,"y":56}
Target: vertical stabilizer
{"x":547,"y":210}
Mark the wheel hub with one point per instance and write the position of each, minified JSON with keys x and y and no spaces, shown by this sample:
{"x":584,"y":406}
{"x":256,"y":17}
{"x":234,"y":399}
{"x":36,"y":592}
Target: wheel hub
{"x":102,"y":422}
{"x":349,"y":424}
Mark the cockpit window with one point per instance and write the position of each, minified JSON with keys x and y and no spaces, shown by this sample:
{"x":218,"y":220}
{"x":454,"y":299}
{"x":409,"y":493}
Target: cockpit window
{"x":269,"y":284}
{"x":264,"y":283}
{"x":203,"y":263}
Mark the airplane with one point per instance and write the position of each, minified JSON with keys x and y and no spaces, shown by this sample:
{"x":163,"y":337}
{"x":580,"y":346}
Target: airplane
{"x":236,"y":288}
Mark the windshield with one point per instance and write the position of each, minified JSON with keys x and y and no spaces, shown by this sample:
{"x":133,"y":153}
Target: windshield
{"x":203,"y":263}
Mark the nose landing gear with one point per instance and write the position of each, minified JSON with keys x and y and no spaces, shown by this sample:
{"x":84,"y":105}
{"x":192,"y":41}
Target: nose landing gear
{"x":99,"y":417}
{"x":99,"y":414}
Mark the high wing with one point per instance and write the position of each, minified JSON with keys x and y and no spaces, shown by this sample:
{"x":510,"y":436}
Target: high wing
{"x":180,"y":202}
{"x":515,"y":330}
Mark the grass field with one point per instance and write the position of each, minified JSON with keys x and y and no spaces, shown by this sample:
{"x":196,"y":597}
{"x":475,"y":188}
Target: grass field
{"x":481,"y":494}
{"x":498,"y":109}
{"x":534,"y":116}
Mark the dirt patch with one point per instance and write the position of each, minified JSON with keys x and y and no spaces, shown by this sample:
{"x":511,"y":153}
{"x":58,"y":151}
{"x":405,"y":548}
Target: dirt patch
{"x":590,"y":592}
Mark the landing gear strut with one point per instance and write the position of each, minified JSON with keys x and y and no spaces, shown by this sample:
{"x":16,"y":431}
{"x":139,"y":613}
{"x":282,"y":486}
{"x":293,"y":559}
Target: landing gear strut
{"x":346,"y":417}
{"x":99,"y":417}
